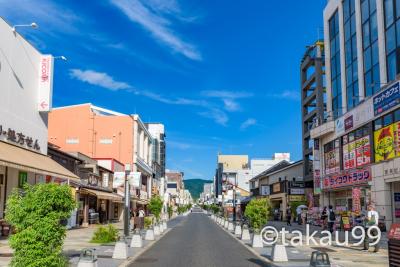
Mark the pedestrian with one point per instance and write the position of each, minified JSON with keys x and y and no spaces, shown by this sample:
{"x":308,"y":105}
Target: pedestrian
{"x":141,"y":218}
{"x":371,"y":220}
{"x":288,"y":216}
{"x":324,"y":218}
{"x":331,"y":218}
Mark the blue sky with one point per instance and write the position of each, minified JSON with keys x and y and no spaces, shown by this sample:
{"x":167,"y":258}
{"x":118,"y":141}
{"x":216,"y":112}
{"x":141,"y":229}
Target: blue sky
{"x":223,"y":76}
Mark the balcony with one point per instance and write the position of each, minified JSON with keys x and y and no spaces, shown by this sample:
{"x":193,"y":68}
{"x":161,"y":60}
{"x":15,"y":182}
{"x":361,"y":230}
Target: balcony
{"x":322,"y":130}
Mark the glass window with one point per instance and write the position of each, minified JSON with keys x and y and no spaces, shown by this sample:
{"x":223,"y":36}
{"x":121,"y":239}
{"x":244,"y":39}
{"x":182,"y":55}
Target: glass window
{"x":367,"y":59}
{"x":349,"y":76}
{"x":388,"y":119}
{"x":364,"y":11}
{"x":397,"y":115}
{"x":368,"y":83}
{"x":376,"y":78}
{"x":391,"y":66}
{"x":397,"y":8}
{"x":372,"y":6}
{"x":366,"y":38}
{"x":346,"y":10}
{"x":355,"y":72}
{"x":389,"y":12}
{"x":378,"y":124}
{"x":390,"y":39}
{"x":375,"y":53}
{"x":374,"y":27}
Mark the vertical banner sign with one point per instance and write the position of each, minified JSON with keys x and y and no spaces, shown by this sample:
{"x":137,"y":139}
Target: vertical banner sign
{"x":134,"y":179}
{"x":119,"y":179}
{"x":397,"y":205}
{"x":45,"y":89}
{"x":356,"y":194}
{"x":317,"y":167}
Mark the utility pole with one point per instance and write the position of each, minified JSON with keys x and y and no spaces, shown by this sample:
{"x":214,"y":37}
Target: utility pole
{"x":234,"y":199}
{"x":127,"y":203}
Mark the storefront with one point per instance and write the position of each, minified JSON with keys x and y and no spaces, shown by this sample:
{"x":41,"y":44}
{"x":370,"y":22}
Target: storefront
{"x":19,"y":166}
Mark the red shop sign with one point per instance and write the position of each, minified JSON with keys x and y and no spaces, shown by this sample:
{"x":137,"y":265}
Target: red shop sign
{"x":348,"y":178}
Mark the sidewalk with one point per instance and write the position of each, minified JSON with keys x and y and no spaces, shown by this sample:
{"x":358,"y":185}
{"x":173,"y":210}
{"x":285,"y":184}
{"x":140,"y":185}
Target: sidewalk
{"x":78,"y":239}
{"x":339,"y":256}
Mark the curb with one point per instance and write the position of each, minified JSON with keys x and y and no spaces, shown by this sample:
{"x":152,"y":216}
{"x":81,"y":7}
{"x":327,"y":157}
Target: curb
{"x":264,"y":259}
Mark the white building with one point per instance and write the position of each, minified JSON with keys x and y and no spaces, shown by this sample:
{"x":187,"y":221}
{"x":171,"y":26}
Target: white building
{"x":357,"y":146}
{"x":26,"y":91}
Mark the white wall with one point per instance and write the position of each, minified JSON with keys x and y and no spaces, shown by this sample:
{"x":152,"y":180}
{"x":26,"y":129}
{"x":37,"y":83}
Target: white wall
{"x":19,"y":80}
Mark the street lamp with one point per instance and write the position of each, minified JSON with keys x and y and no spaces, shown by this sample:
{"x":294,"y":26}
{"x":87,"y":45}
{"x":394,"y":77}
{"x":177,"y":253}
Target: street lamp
{"x":32,"y":25}
{"x":60,"y":57}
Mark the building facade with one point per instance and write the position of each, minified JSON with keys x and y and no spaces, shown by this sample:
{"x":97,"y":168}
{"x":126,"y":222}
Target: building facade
{"x":313,"y":96}
{"x":358,"y":146}
{"x":26,"y":91}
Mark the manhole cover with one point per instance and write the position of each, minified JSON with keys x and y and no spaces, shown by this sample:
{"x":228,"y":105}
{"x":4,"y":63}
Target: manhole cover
{"x":323,"y":249}
{"x":146,"y":260}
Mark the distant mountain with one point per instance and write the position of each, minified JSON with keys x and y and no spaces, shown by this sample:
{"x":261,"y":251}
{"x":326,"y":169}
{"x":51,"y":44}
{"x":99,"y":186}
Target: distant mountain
{"x":195,"y":186}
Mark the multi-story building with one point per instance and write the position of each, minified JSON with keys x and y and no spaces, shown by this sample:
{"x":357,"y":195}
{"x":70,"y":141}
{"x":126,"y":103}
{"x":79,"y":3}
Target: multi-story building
{"x":282,"y":184}
{"x":313,"y":96}
{"x":157,"y":132}
{"x":175,"y":186}
{"x":358,"y":146}
{"x":101,"y":133}
{"x":26,"y":92}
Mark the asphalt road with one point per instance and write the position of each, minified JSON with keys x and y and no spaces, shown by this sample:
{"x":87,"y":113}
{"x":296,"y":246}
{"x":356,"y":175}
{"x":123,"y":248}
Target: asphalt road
{"x":197,"y":241}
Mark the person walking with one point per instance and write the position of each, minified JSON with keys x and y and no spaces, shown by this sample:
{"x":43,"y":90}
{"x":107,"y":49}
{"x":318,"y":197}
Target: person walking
{"x":371,"y":220}
{"x":331,"y":218}
{"x":141,"y":218}
{"x":324,"y":218}
{"x":288,"y":216}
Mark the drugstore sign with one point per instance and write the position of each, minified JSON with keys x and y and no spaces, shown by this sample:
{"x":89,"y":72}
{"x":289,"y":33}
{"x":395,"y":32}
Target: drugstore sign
{"x":348,"y":178}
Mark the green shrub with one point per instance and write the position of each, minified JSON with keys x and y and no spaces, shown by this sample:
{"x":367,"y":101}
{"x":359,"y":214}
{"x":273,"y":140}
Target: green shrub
{"x":215,"y":208}
{"x":170,"y":211}
{"x":257,"y":211}
{"x":36,"y":213}
{"x":155,"y":207}
{"x":104,"y":235}
{"x":148,"y":221}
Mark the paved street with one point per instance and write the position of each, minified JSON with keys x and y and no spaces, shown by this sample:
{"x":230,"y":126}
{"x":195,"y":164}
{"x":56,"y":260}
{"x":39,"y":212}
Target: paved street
{"x":197,"y":241}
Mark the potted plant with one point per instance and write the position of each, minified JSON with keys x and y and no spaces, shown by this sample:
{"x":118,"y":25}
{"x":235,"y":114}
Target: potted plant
{"x":257,"y":212}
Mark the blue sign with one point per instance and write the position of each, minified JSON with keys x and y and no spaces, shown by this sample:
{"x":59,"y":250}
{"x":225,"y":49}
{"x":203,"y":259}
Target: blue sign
{"x":387,"y":99}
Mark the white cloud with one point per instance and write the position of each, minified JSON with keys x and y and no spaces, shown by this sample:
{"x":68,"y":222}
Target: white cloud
{"x":154,"y":17}
{"x":247,"y":123}
{"x":98,"y":78}
{"x":227,"y":94}
{"x":104,"y":80}
{"x":229,"y":98}
{"x":288,"y":95}
{"x":217,"y":115}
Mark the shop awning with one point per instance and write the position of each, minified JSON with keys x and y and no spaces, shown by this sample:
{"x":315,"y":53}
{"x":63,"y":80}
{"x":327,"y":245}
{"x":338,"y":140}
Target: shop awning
{"x":26,"y":160}
{"x":103,"y":195}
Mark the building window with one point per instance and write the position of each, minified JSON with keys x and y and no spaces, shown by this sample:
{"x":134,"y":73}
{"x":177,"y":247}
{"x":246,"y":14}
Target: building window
{"x":392,"y":27}
{"x":332,"y":157}
{"x":335,"y":65}
{"x":370,"y":47}
{"x":350,"y":44}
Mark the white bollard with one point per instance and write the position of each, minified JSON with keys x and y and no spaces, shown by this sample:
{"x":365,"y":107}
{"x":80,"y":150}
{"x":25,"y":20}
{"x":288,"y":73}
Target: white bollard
{"x":88,"y":258}
{"x":120,"y":250}
{"x":149,"y":235}
{"x":279,"y":253}
{"x":238,"y":230}
{"x":230,"y":226}
{"x":257,"y":241}
{"x":136,"y":241}
{"x":160,"y":225}
{"x":156,"y":230}
{"x":165,"y":225}
{"x":226,"y":224}
{"x":245,"y":234}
